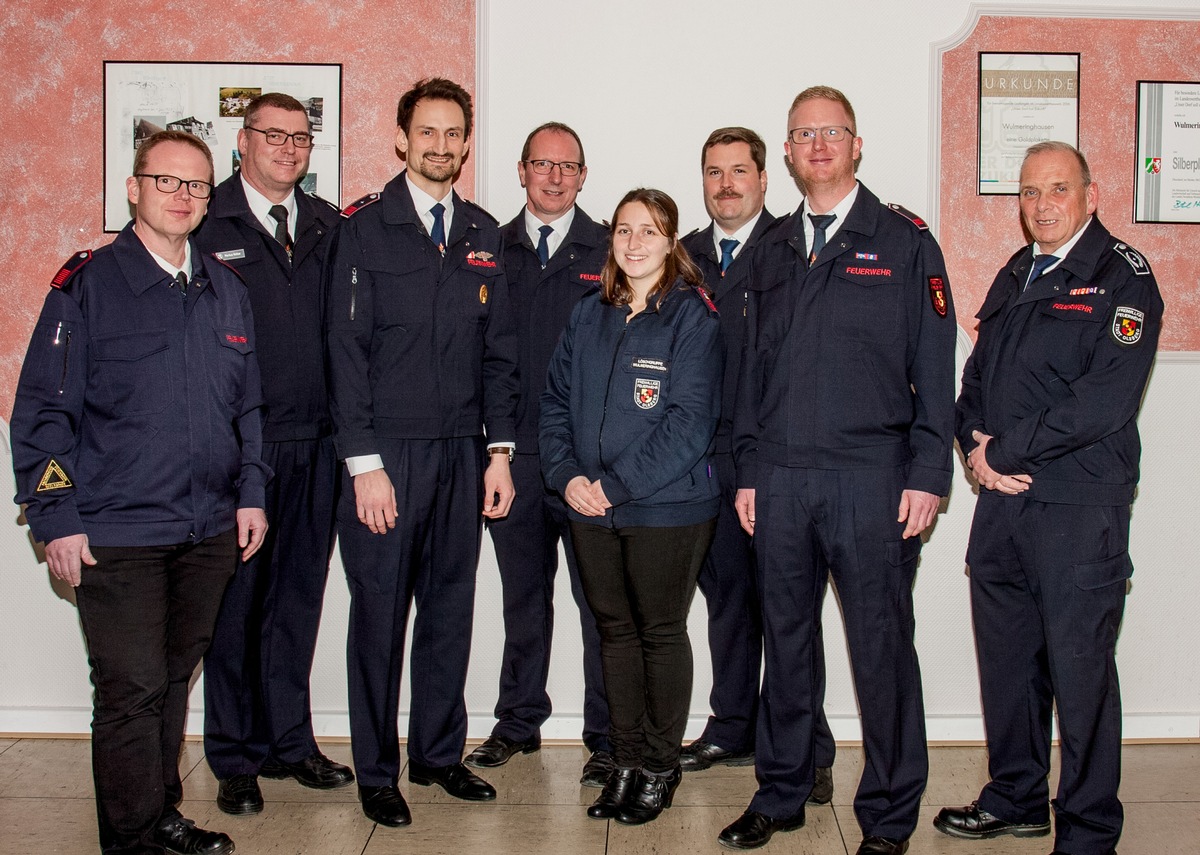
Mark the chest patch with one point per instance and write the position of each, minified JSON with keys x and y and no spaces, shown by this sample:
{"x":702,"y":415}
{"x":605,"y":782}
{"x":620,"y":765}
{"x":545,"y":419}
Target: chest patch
{"x":1127,"y":325}
{"x":646,"y":393}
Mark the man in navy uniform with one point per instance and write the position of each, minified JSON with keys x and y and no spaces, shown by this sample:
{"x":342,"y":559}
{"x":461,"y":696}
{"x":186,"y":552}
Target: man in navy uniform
{"x":553,"y":255}
{"x":1048,"y":420}
{"x":843,"y":444}
{"x":136,"y":438}
{"x":257,"y":711}
{"x":422,"y":357}
{"x":734,"y":165}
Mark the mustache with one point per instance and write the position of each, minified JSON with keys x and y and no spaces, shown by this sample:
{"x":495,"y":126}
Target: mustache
{"x":728,"y":194}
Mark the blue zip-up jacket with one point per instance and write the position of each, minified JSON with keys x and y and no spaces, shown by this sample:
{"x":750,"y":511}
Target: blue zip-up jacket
{"x":635,"y":405}
{"x":137,"y":417}
{"x":1057,"y":375}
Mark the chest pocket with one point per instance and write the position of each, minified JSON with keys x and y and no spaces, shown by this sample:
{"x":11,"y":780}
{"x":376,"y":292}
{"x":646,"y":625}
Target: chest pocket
{"x":403,"y":285}
{"x":865,"y":300}
{"x":474,"y":287}
{"x":644,"y":382}
{"x":1061,"y":336}
{"x":131,"y":372}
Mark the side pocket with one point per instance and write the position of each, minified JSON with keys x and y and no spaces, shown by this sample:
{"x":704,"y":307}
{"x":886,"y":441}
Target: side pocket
{"x":1099,"y":603}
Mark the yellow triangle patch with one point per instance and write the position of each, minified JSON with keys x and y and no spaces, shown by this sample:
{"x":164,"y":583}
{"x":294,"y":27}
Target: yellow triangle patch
{"x":54,"y":478}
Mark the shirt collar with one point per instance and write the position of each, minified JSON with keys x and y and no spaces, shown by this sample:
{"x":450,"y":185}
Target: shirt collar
{"x":422,"y":201}
{"x":561,"y":228}
{"x":171,"y":269}
{"x":841,"y":209}
{"x":1066,"y":248}
{"x":742,"y":235}
{"x":260,"y":207}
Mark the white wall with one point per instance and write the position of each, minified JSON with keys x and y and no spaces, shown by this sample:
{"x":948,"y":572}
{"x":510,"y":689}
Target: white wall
{"x":644,"y":83}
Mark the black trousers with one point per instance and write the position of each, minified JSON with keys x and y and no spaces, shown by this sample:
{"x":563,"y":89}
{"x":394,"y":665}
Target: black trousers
{"x":526,"y":543}
{"x":430,"y":557}
{"x":735,"y":634}
{"x":813,"y":524}
{"x":256,"y":673}
{"x":639,"y":582}
{"x":1048,"y":589}
{"x":147,"y":614}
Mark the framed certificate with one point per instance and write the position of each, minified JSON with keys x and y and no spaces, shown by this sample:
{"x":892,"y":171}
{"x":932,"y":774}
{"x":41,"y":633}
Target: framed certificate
{"x":208,"y":99}
{"x":1024,"y":98}
{"x":1166,"y":188}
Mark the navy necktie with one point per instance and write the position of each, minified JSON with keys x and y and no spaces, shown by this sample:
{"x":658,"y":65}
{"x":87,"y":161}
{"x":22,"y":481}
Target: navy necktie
{"x":280,"y":215}
{"x":439,"y":228}
{"x":820,"y":223}
{"x":543,"y":248}
{"x":1040,"y":263}
{"x":728,"y":245}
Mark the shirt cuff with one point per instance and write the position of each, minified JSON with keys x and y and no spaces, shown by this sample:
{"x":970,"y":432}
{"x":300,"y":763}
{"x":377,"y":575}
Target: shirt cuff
{"x":363,"y":463}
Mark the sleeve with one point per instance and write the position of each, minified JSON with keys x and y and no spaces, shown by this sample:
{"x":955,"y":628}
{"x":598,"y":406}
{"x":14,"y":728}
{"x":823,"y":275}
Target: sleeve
{"x":349,"y":327}
{"x":1099,"y":402}
{"x":931,"y":373}
{"x":46,"y":419}
{"x":501,"y":384}
{"x":252,"y":485}
{"x":556,"y":442}
{"x":684,"y":433}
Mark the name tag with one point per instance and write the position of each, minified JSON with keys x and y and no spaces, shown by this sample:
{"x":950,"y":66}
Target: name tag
{"x":231,"y":254}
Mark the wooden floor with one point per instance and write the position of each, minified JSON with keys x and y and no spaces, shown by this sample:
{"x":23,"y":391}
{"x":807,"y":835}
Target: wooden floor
{"x":46,"y":806}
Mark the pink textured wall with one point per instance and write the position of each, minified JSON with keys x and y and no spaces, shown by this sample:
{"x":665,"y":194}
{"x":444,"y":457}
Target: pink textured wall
{"x":979,"y":233}
{"x":52,"y":113}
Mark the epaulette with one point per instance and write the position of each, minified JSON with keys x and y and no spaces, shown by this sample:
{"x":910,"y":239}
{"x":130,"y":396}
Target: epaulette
{"x":909,"y":215}
{"x":357,"y":205}
{"x":216,"y":256}
{"x":1133,"y":257}
{"x":491,"y":221}
{"x":72,"y":266}
{"x":689,"y":234}
{"x":702,"y":292}
{"x":326,"y":201}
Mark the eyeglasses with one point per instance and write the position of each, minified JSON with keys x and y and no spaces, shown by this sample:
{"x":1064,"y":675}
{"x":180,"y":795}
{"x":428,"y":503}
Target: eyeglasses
{"x":300,"y":139}
{"x":169,"y":184}
{"x":568,"y":168}
{"x":806,"y":136}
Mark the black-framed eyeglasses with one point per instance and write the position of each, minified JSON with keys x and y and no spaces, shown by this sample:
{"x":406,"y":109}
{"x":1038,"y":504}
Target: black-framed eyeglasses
{"x":568,"y":168}
{"x":300,"y":139}
{"x":832,"y":133}
{"x":171,"y":183}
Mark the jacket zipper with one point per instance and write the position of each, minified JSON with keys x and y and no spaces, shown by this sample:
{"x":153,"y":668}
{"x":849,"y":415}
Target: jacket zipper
{"x":353,"y":289}
{"x":607,"y":390}
{"x":62,"y":381}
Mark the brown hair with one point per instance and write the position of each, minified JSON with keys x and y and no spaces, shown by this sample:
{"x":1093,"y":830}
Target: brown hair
{"x":155,"y":140}
{"x":827,"y":93}
{"x":273,"y":99}
{"x":435,"y":89}
{"x":614,"y":288}
{"x":552,"y":126}
{"x":726,"y":136}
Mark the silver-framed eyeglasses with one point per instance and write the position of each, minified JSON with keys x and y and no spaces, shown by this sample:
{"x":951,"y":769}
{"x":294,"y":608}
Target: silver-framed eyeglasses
{"x":832,"y":133}
{"x":171,"y":183}
{"x":568,"y":168}
{"x":300,"y":139}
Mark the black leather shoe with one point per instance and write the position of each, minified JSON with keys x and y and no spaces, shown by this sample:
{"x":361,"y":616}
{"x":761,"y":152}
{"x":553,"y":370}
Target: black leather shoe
{"x":498,"y":750}
{"x":457,"y":780}
{"x":702,"y":754}
{"x":597,"y":769}
{"x":822,"y":791}
{"x":753,"y":829}
{"x":384,"y":805}
{"x":882,"y":846}
{"x":615,"y":794}
{"x":974,"y":823}
{"x":180,"y":836}
{"x":317,"y":771}
{"x":651,"y":795}
{"x":239,"y":795}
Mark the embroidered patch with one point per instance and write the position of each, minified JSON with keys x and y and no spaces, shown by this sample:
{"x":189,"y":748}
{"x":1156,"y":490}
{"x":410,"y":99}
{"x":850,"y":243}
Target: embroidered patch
{"x":54,"y":478}
{"x":1139,"y":265}
{"x":646,"y":393}
{"x":483,"y":294}
{"x":869,"y":271}
{"x":642,"y":363}
{"x":1127,"y":325}
{"x":1073,"y":307}
{"x":589,"y":277}
{"x":480,"y":259}
{"x":937,"y":295}
{"x":235,"y":339}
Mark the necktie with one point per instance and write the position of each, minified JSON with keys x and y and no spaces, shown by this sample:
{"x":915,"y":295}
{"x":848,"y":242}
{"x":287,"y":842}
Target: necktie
{"x":1040,"y":263}
{"x":543,"y":248}
{"x":728,"y":245}
{"x":439,"y":228}
{"x":182,"y":282}
{"x":820,"y":223}
{"x":280,"y":215}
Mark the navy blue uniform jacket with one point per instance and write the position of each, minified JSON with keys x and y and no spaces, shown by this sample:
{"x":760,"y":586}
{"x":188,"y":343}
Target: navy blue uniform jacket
{"x":542,"y":301}
{"x":730,"y":292}
{"x":420,"y":346}
{"x":149,"y":412}
{"x":288,"y":302}
{"x":635,"y":405}
{"x":849,"y":364}
{"x":1057,"y":375}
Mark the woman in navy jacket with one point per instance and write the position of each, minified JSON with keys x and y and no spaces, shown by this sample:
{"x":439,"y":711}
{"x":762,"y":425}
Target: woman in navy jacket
{"x":627,"y":422}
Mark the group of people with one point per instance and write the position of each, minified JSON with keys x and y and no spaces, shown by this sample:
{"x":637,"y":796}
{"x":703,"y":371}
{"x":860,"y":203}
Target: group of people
{"x":754,"y":409}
